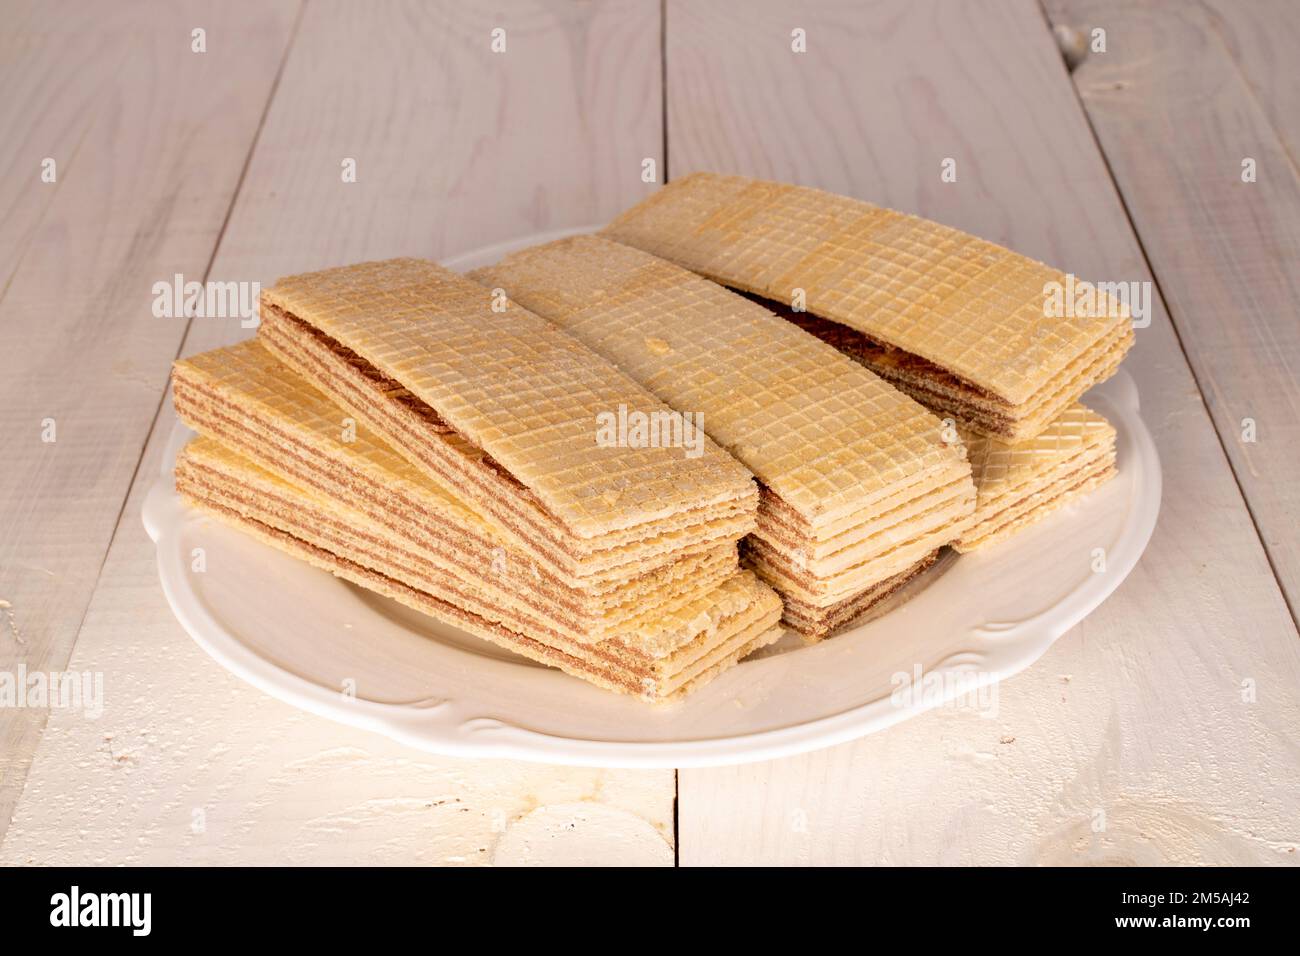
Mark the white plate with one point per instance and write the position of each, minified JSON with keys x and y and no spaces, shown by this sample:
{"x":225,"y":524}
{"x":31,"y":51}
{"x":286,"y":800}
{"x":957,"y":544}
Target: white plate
{"x":309,"y":638}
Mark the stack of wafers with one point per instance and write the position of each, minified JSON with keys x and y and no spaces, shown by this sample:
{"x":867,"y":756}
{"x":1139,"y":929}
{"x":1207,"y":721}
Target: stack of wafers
{"x":960,"y":324}
{"x":1021,"y":483}
{"x":498,"y":512}
{"x":445,"y":441}
{"x":859,"y":486}
{"x":957,"y":322}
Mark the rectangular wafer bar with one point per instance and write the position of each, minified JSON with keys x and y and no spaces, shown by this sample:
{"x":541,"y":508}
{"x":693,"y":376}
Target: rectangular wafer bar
{"x":667,"y":656}
{"x":501,"y":407}
{"x":1021,"y":483}
{"x":242,"y":396}
{"x":959,"y":323}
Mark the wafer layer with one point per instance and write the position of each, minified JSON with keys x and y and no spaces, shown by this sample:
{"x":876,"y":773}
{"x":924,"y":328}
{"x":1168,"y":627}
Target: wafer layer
{"x":814,"y":623}
{"x":455,"y":570}
{"x":660,"y":659}
{"x":794,"y":567}
{"x":978,"y":412}
{"x":1023,"y":482}
{"x":250,"y":402}
{"x":971,"y":315}
{"x":502,"y":400}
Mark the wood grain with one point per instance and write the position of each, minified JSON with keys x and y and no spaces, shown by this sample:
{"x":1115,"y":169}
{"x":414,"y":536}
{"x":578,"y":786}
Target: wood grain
{"x":1262,"y":42}
{"x":1183,"y":94}
{"x":1130,"y":741}
{"x":149,"y":140}
{"x":454,"y":147}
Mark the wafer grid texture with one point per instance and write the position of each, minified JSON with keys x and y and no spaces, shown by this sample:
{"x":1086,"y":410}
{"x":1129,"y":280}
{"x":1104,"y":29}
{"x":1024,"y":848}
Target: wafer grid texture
{"x":996,"y":465}
{"x":430,"y":446}
{"x":513,"y":385}
{"x":972,"y":307}
{"x":859,"y":482}
{"x":682,"y":630}
{"x":815,"y":427}
{"x":257,"y":378}
{"x":1034,"y":506}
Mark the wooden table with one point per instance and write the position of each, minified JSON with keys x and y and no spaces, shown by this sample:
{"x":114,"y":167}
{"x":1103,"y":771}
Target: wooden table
{"x":1161,"y":730}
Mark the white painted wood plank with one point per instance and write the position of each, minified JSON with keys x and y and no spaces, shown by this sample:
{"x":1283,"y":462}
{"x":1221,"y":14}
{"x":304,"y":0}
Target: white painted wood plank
{"x":1175,"y":110}
{"x":1262,"y":40}
{"x":455,"y":147}
{"x":149,"y":139}
{"x":1130,"y":741}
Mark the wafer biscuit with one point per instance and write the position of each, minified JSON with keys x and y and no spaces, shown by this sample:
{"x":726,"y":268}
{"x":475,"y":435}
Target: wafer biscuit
{"x":447,"y":458}
{"x":956,"y":321}
{"x":858,"y":481}
{"x":814,"y":623}
{"x":1023,"y":482}
{"x":931,"y":386}
{"x":816,"y":429}
{"x":457,"y":569}
{"x":680,"y":651}
{"x":501,"y":407}
{"x":242,"y":396}
{"x":833,"y":577}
